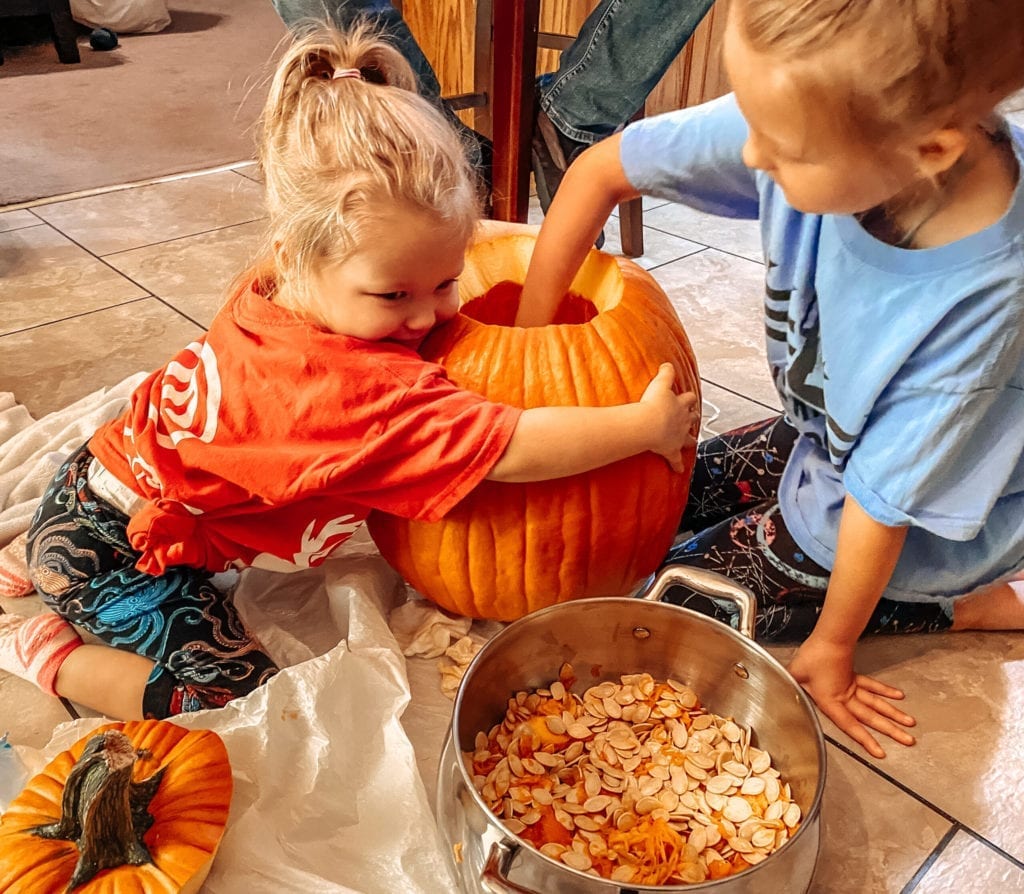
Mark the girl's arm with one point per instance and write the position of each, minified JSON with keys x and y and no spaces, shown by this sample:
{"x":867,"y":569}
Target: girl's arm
{"x":552,"y":442}
{"x":866,"y":554}
{"x":593,"y":185}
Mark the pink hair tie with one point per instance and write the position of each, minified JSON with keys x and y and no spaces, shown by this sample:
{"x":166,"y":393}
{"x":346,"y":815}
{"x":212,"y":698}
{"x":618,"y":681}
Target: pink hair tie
{"x":347,"y":73}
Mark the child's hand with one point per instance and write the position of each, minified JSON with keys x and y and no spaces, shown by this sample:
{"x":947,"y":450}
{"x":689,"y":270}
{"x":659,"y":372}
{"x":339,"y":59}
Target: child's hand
{"x":853,"y":702}
{"x":675,"y":418}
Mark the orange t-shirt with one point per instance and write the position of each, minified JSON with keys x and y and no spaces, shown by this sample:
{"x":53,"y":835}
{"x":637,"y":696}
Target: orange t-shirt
{"x":267,"y":442}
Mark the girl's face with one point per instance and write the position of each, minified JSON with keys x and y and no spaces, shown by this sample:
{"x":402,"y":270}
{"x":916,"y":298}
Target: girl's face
{"x":399,"y":283}
{"x":820,"y":166}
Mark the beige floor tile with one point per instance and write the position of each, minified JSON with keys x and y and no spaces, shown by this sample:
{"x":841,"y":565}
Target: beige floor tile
{"x":192,"y":274}
{"x":131,"y":218}
{"x":875,"y":836}
{"x":968,"y":866}
{"x":50,"y":367}
{"x":27,"y":713}
{"x":733,"y":410}
{"x":45,"y":277}
{"x":659,"y":247}
{"x":739,"y":237}
{"x":966,"y":691}
{"x":720,"y":299}
{"x":15,"y":220}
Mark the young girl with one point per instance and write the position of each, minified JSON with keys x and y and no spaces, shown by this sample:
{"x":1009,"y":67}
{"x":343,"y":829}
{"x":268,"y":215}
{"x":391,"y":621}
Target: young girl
{"x":891,"y":496}
{"x":266,"y":442}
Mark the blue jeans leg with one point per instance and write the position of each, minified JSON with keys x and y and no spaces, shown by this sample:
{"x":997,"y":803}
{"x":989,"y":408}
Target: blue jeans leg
{"x":620,"y":54}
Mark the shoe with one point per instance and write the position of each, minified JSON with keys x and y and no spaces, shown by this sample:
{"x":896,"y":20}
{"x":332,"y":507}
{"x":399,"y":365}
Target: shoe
{"x":551,"y":154}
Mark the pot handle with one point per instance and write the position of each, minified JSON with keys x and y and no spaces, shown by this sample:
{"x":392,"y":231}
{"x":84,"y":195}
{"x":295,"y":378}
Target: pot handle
{"x":708,"y":583}
{"x":494,"y":875}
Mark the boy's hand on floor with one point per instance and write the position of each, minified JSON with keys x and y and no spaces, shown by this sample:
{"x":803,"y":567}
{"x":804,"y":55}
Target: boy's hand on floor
{"x":854,"y":702}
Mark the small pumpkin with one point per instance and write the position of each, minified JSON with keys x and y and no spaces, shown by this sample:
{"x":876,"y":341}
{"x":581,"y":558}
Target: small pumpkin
{"x":137,"y":806}
{"x":508,"y":549}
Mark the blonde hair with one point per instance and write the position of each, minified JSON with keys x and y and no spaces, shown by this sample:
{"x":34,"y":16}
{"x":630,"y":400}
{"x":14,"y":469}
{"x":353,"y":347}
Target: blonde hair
{"x":898,"y":63}
{"x":333,"y":148}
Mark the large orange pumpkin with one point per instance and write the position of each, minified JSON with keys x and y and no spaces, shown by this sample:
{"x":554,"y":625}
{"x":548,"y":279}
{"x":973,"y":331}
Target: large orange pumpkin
{"x":508,"y":549}
{"x":183,"y":774}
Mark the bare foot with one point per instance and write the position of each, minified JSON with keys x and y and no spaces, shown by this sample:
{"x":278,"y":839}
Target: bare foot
{"x":999,"y":607}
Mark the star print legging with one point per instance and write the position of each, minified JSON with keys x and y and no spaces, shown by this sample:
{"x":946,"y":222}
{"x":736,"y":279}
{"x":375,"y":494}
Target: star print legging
{"x":84,"y":568}
{"x":740,"y":532}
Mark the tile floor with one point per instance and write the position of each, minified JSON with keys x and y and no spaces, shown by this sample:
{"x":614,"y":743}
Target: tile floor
{"x":93,"y":289}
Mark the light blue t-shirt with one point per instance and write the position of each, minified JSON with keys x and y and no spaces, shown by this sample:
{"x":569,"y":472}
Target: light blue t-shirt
{"x":902,"y":369}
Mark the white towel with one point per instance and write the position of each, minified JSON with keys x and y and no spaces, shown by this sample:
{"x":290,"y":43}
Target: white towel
{"x":31,"y":451}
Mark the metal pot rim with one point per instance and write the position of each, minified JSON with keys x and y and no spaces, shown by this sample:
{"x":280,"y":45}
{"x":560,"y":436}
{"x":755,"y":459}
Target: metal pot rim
{"x":809,"y":820}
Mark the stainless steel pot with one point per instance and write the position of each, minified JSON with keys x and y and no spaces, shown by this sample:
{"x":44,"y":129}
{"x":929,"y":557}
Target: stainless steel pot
{"x":603,"y":639}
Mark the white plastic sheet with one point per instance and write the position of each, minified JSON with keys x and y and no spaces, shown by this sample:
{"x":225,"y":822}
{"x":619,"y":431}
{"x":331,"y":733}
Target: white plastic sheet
{"x":329,"y":790}
{"x":122,"y":16}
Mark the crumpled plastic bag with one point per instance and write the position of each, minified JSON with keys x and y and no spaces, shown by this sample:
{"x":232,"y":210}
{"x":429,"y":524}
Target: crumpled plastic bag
{"x":122,"y":16}
{"x":328,"y":797}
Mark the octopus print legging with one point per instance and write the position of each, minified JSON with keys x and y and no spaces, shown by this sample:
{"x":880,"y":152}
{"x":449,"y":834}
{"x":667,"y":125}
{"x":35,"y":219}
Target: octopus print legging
{"x":84,"y":568}
{"x":738,"y":531}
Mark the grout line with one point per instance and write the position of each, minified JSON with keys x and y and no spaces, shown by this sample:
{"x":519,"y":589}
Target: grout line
{"x":98,"y":310}
{"x":122,"y":251}
{"x":120,"y":273}
{"x":733,"y":391}
{"x":930,"y":860}
{"x":700,"y":250}
{"x":70,"y":708}
{"x":119,"y":187}
{"x":84,"y":313}
{"x":992,"y":847}
{"x":724,"y":251}
{"x":202,"y":326}
{"x":28,"y":226}
{"x":849,"y":752}
{"x":924,"y":801}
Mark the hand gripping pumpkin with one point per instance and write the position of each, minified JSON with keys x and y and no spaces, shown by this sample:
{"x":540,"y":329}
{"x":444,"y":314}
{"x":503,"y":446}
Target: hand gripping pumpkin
{"x":137,"y":806}
{"x":508,"y":549}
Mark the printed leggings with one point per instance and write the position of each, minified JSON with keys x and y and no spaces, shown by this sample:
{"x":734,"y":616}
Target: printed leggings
{"x":739,"y":531}
{"x":84,"y":568}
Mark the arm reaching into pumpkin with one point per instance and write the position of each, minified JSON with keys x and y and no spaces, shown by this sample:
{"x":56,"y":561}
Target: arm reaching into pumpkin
{"x":594,"y":184}
{"x":866,"y":554}
{"x":552,"y":442}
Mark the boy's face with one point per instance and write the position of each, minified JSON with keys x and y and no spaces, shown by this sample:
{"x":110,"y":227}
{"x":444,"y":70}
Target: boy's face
{"x":400,"y":282}
{"x":820,"y":165}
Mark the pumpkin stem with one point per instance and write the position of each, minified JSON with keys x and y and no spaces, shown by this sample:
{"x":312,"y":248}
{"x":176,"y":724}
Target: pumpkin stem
{"x":102,"y":810}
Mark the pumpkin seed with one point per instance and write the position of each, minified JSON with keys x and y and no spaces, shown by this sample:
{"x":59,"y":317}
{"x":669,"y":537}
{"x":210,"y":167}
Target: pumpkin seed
{"x":636,"y":751}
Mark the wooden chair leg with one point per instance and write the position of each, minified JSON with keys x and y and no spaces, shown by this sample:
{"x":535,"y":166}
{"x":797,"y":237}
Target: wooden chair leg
{"x":65,"y":32}
{"x":631,"y":228}
{"x":514,"y":55}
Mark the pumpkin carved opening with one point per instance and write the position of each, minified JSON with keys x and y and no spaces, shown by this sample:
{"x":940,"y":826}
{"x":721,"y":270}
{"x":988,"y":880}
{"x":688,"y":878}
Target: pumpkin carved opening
{"x":508,"y":549}
{"x":498,"y":306}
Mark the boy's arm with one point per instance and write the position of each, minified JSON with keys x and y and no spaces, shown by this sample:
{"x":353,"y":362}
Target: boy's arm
{"x":866,"y":554}
{"x":591,"y":188}
{"x":553,"y":442}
